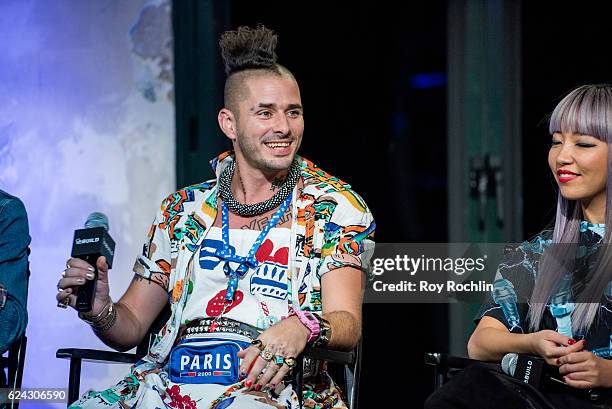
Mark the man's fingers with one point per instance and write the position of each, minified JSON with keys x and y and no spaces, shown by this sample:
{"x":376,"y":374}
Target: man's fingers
{"x":280,"y":375}
{"x":258,"y":365}
{"x":248,"y":356}
{"x":269,"y":373}
{"x":102,"y":268}
{"x":78,"y":263}
{"x":63,"y":294}
{"x":61,"y":297}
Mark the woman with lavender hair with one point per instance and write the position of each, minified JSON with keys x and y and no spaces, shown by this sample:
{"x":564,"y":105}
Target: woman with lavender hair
{"x":552,"y":295}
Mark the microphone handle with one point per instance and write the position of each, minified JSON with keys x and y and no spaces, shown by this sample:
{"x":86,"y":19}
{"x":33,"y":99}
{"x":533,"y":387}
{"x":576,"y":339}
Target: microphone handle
{"x":87,"y":292}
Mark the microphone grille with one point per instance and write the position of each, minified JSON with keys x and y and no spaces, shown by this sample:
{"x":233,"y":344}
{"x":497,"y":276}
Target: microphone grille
{"x":508,"y":363}
{"x":97,"y":219}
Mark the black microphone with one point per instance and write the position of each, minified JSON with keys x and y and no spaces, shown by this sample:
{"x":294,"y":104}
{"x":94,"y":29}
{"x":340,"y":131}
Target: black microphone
{"x":525,"y":368}
{"x":537,"y":373}
{"x":90,"y":243}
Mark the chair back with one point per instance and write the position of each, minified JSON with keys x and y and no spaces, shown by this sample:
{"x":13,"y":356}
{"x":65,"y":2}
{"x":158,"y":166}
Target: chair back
{"x":343,"y":367}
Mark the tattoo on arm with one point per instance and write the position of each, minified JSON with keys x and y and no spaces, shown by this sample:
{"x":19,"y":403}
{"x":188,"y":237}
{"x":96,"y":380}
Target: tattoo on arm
{"x":156,"y":278}
{"x":138,"y":277}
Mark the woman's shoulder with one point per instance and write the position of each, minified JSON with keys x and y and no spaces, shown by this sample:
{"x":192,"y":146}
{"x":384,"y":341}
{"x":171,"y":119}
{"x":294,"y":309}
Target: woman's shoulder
{"x":522,"y":259}
{"x":537,"y":243}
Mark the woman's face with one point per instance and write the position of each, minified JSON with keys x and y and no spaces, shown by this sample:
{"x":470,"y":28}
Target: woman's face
{"x":580,"y":165}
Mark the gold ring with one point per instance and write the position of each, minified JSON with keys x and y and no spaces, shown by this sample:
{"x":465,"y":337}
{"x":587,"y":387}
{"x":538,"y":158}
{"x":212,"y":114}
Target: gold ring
{"x":63,"y":303}
{"x":290,"y":361}
{"x":258,"y":343}
{"x":266,"y":355}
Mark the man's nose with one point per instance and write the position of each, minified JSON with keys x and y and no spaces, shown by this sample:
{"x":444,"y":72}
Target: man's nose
{"x":281,"y":126}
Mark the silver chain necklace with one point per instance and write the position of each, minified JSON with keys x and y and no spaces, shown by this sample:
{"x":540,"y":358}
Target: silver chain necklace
{"x":250,"y":210}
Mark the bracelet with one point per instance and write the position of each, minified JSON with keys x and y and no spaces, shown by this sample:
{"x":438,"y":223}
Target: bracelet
{"x":325,"y":333}
{"x":310,"y":321}
{"x":93,"y":319}
{"x":109,"y":320}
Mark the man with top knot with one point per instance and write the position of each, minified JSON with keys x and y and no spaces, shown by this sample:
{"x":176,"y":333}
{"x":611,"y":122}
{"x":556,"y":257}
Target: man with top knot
{"x":255,"y":264}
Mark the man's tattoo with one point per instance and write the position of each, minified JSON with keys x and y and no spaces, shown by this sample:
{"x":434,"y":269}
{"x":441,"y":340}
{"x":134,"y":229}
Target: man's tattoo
{"x":277,"y":183}
{"x":259,"y":224}
{"x":138,"y":277}
{"x":156,"y":278}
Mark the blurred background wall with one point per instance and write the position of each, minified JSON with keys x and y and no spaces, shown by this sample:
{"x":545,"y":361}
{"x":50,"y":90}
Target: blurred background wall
{"x":86,"y":124}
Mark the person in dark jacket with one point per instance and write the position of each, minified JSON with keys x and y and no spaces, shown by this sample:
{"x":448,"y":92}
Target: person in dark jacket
{"x":14,"y":242}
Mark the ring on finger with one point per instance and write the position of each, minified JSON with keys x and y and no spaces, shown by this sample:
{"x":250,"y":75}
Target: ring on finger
{"x":64,"y":303}
{"x":266,"y":354}
{"x":279,"y":360}
{"x":258,"y":343}
{"x":289,"y":361}
{"x":68,"y":262}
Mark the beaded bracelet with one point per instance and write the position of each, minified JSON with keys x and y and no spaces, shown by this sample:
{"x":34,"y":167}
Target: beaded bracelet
{"x":310,"y":321}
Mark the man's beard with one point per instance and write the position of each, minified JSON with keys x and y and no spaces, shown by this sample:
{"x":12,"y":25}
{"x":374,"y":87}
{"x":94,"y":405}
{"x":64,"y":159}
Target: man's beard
{"x":253,"y":155}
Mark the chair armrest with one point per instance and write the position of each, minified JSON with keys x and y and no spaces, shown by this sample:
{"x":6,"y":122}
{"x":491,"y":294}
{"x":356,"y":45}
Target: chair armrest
{"x":97,"y":355}
{"x":331,"y":355}
{"x":448,"y":361}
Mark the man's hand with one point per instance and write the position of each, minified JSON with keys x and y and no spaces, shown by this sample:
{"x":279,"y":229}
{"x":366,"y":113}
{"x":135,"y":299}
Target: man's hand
{"x":551,"y":345}
{"x":585,"y":370}
{"x":76,"y":273}
{"x":286,"y":339}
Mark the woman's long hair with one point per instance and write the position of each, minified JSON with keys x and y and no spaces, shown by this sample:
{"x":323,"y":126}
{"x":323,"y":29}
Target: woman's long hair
{"x":586,"y":110}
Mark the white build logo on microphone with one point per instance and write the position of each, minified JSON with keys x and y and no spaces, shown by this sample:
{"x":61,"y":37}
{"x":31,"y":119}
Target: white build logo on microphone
{"x":86,"y":241}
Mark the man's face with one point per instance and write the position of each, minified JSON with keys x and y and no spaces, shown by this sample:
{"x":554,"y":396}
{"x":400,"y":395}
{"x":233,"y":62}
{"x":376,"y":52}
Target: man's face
{"x":270,"y":123}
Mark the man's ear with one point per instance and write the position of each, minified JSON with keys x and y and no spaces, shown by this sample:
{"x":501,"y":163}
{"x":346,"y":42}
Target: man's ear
{"x":227,"y":123}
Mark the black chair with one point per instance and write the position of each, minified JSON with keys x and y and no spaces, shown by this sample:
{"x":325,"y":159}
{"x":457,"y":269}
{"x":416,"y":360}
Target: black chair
{"x":345,"y":368}
{"x":78,"y":355}
{"x":445,"y":366}
{"x":14,"y":363}
{"x":350,"y":361}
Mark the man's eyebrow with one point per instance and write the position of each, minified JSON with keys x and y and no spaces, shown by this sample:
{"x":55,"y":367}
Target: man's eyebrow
{"x":263,"y":105}
{"x":272,"y":105}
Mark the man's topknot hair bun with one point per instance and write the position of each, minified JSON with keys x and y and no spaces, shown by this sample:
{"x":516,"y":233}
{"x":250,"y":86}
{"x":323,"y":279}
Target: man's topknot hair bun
{"x":248,"y":48}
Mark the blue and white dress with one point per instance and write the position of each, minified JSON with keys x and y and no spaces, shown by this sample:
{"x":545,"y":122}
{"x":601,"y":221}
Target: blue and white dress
{"x":514,"y":283}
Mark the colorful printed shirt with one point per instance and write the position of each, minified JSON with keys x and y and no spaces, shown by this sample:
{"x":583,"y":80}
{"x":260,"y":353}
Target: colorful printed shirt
{"x":331,"y":228}
{"x":515,"y":279}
